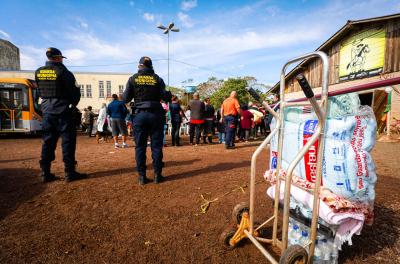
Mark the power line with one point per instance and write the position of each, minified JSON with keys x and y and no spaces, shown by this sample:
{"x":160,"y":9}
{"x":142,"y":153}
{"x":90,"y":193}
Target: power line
{"x":132,"y":63}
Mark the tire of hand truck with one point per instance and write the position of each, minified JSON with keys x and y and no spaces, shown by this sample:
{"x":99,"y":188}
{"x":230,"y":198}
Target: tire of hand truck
{"x":294,"y":254}
{"x":226,"y":236}
{"x":238,"y":211}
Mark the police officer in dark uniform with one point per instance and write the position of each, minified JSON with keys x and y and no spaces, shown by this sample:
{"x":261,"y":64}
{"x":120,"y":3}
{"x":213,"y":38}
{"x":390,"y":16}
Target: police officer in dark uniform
{"x":147,"y":89}
{"x":60,"y":95}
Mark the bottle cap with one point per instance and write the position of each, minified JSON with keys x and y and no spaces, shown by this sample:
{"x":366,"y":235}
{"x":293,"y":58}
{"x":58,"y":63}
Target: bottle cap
{"x":304,"y":233}
{"x":295,"y":227}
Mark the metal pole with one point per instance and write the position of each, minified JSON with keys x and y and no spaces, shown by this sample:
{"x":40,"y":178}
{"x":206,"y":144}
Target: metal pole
{"x":168,"y":58}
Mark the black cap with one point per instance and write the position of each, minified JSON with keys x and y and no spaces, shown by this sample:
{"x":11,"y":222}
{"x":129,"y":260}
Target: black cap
{"x":146,"y":61}
{"x":53,"y":52}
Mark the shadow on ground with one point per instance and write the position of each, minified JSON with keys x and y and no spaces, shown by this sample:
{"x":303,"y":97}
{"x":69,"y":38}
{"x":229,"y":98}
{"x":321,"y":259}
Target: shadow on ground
{"x":18,"y":185}
{"x":373,"y":239}
{"x":215,"y":168}
{"x":119,"y":171}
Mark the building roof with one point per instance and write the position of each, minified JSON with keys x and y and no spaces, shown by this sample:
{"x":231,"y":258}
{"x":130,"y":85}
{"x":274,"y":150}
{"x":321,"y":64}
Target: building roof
{"x":333,"y":39}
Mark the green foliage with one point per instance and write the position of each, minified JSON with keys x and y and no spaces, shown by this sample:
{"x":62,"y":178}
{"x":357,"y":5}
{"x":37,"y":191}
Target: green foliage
{"x":175,"y":90}
{"x":232,"y":84}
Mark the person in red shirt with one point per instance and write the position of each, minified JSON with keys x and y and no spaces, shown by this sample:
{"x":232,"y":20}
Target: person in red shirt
{"x":246,"y":122}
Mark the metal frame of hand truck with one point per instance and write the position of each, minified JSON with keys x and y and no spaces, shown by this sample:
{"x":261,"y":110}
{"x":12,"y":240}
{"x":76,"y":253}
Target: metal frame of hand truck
{"x":246,"y":227}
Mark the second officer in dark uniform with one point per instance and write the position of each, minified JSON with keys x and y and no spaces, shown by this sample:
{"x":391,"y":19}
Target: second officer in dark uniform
{"x":60,"y":95}
{"x":147,"y":89}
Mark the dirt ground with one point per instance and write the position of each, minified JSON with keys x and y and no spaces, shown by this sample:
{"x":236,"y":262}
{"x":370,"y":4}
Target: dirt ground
{"x":109,"y":218}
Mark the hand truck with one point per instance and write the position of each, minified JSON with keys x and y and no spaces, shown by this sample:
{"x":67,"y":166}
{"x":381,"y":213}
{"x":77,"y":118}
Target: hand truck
{"x":244,"y":215}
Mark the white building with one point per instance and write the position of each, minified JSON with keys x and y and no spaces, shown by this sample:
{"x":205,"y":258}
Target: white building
{"x":96,"y":87}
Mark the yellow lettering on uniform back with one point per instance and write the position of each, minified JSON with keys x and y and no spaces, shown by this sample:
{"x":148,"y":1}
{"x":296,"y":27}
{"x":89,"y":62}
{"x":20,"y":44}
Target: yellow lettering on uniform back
{"x":145,"y":80}
{"x":46,"y":75}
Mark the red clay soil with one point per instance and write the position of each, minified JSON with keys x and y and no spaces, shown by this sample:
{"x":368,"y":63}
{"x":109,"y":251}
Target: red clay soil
{"x":108,"y":218}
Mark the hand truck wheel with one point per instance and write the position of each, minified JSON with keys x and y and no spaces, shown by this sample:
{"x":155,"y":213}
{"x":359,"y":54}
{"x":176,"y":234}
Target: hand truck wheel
{"x":226,"y":236}
{"x":238,"y":211}
{"x":295,"y":254}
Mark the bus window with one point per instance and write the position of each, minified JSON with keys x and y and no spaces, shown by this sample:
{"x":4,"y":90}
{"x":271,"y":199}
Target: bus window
{"x":5,"y":99}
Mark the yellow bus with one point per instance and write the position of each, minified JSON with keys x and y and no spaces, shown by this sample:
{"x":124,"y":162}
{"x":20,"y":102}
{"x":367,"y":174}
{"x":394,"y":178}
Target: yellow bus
{"x":19,"y":106}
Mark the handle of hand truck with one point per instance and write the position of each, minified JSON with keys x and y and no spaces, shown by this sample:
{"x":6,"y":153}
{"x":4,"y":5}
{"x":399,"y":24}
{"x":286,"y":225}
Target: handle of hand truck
{"x":305,"y":86}
{"x":254,"y":94}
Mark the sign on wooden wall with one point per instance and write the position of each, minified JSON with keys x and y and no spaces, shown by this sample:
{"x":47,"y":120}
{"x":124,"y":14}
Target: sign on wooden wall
{"x":362,"y":55}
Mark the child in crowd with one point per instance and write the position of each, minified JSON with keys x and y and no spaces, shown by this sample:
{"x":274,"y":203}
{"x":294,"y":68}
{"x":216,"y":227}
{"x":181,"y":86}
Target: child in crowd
{"x":220,"y":128}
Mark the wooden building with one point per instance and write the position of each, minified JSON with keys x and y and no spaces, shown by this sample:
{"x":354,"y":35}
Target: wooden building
{"x":362,"y":54}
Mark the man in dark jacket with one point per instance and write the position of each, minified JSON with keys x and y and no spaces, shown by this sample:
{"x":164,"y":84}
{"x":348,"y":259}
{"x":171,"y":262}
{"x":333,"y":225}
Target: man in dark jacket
{"x":147,"y":89}
{"x":196,"y":108}
{"x":209,"y":113}
{"x":176,"y":114}
{"x":117,"y":112}
{"x":60,"y":94}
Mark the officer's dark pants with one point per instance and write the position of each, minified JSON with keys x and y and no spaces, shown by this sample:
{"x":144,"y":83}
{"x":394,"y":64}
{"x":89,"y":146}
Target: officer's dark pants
{"x":230,"y":126}
{"x":208,"y":129}
{"x":195,"y":129}
{"x":147,"y":124}
{"x":175,"y":131}
{"x":55,"y":126}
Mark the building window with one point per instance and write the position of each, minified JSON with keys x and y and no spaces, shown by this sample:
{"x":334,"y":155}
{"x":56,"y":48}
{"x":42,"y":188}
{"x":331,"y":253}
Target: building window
{"x":88,"y":90}
{"x":108,"y":83}
{"x":82,"y":87}
{"x":121,"y":89}
{"x":101,"y":89}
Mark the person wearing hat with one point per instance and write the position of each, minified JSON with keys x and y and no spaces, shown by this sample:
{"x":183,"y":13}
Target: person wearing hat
{"x":147,"y":89}
{"x":60,"y":94}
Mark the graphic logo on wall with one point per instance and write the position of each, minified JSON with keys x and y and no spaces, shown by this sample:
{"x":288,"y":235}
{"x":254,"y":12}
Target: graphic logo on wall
{"x":362,"y":55}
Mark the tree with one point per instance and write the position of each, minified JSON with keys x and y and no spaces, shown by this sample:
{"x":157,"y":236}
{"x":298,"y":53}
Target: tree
{"x":175,"y":90}
{"x":232,"y":84}
{"x":206,"y":89}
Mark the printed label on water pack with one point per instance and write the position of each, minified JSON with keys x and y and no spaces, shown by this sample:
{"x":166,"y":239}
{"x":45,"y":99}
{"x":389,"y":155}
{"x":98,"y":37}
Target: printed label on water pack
{"x":357,"y":141}
{"x":310,"y":158}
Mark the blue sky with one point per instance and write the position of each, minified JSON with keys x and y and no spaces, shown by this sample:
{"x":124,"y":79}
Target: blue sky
{"x":217,"y":38}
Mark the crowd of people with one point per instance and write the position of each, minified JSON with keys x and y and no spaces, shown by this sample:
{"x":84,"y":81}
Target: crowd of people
{"x":230,"y":123}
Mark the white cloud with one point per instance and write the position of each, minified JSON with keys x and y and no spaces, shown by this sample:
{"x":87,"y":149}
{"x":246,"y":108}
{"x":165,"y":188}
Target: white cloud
{"x":186,"y":5}
{"x":32,"y":57}
{"x":74,"y":54}
{"x":148,"y":17}
{"x":83,"y":25}
{"x":185,"y":20}
{"x":131,"y":3}
{"x":4,"y":34}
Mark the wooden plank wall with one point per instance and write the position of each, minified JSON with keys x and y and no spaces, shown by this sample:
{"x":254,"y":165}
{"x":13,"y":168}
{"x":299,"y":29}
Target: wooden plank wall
{"x":312,"y":71}
{"x":392,"y":51}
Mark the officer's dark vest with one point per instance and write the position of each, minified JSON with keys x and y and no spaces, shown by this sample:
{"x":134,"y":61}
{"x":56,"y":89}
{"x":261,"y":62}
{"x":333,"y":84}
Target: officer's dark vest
{"x":147,"y":87}
{"x":49,"y":81}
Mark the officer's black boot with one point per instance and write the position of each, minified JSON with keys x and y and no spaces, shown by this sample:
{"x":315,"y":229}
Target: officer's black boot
{"x":46,"y":175}
{"x":142,"y":179}
{"x":74,"y":176}
{"x":158,"y":178}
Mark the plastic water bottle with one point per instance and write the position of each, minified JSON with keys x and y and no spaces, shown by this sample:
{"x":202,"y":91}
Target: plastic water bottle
{"x":325,"y":251}
{"x":334,"y":255}
{"x":294,"y":235}
{"x":304,"y":240}
{"x":317,"y":253}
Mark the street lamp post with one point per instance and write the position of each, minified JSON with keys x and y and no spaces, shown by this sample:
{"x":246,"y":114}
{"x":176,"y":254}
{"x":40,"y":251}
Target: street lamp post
{"x":166,"y":31}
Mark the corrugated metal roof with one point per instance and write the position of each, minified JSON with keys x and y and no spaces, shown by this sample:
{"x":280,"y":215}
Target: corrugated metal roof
{"x":339,"y":34}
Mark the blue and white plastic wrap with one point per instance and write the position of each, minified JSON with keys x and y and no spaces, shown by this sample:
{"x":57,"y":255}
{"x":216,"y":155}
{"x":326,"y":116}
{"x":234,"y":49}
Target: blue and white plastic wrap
{"x":348,"y":168}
